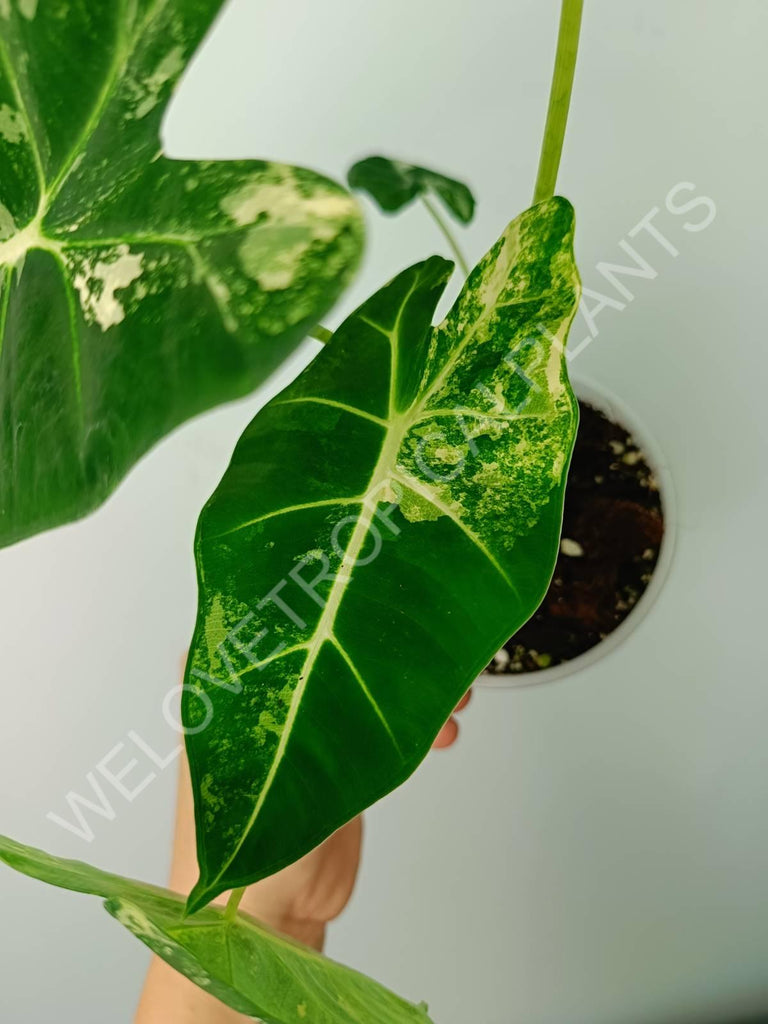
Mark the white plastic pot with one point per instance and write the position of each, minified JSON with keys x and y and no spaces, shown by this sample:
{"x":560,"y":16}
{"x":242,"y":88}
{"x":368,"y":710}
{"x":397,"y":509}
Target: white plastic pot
{"x":616,"y":410}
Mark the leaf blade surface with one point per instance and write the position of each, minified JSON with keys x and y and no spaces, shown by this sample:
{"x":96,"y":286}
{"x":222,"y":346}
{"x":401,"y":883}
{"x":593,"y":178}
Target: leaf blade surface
{"x":385,"y":524}
{"x":136,"y":290}
{"x":393,"y":184}
{"x":245,"y":964}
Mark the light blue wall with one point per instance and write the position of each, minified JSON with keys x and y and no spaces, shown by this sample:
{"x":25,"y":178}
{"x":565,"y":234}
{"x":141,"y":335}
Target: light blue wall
{"x":591,"y":852}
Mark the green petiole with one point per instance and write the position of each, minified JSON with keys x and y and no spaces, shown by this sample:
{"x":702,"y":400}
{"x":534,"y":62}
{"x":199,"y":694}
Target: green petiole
{"x":448,"y":235}
{"x":559,"y":99}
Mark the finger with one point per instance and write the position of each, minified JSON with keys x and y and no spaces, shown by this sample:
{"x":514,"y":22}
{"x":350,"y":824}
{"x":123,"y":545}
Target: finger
{"x":463,"y":702}
{"x":447,"y":735}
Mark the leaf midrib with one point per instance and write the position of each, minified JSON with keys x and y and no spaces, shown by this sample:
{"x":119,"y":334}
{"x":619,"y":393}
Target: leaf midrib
{"x":10,"y":70}
{"x":125,"y":45}
{"x":323,"y":631}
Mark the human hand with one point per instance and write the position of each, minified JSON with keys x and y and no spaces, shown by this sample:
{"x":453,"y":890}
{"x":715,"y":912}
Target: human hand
{"x":298,"y":901}
{"x":301,"y":899}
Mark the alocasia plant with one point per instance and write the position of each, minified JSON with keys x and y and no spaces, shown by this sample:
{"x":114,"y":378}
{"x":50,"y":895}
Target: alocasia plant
{"x":135,"y":291}
{"x":385,"y":523}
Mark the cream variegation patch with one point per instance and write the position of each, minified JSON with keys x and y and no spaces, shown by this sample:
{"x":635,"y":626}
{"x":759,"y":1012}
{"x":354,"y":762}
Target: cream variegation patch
{"x":12,"y":127}
{"x":98,"y":281}
{"x":285,"y":204}
{"x":146,"y":93}
{"x":285,"y":222}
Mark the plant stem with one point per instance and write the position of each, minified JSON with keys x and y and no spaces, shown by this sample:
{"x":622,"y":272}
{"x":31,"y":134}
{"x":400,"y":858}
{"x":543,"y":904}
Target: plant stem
{"x":233,"y":903}
{"x":448,"y":235}
{"x":559,"y":99}
{"x":320,"y":333}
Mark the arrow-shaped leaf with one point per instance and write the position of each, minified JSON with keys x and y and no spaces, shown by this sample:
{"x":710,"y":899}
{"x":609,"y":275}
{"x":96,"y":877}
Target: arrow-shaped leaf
{"x":243,"y":963}
{"x":135,"y":291}
{"x":385,"y":524}
{"x":394,"y":184}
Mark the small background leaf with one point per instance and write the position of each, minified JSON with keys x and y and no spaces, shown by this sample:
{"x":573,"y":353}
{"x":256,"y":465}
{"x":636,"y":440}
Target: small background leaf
{"x":393,"y":184}
{"x":241,"y":962}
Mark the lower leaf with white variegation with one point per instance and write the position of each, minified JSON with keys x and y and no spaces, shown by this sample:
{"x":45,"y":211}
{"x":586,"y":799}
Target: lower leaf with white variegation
{"x":249,"y":967}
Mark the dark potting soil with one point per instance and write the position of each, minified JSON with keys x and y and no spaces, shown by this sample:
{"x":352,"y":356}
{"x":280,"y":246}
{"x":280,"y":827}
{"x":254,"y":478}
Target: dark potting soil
{"x":612,"y":533}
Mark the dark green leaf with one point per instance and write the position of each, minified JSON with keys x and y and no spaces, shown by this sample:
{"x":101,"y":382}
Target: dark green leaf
{"x":394,"y":184}
{"x":385,"y":525}
{"x":243,"y":963}
{"x":135,"y":291}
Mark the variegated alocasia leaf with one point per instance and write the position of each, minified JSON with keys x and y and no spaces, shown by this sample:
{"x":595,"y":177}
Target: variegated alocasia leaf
{"x":385,"y":525}
{"x":135,"y":291}
{"x":241,"y":962}
{"x":393,"y":184}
